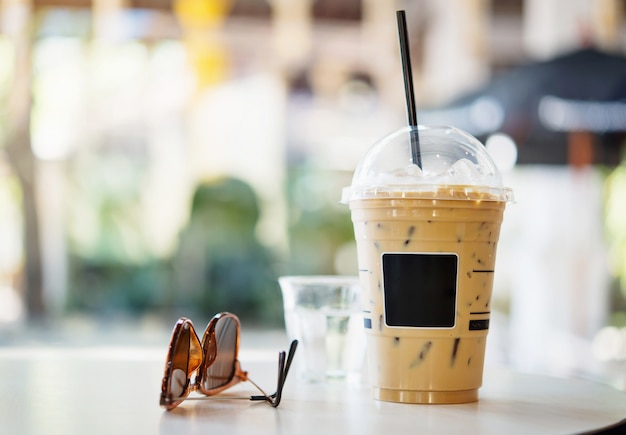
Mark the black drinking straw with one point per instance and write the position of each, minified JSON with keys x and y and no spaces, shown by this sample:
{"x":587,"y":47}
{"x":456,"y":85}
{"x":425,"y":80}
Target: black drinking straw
{"x":408,"y":88}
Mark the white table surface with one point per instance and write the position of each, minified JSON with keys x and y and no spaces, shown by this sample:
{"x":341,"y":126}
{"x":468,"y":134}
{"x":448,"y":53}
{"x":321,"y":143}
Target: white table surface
{"x":111,"y":389}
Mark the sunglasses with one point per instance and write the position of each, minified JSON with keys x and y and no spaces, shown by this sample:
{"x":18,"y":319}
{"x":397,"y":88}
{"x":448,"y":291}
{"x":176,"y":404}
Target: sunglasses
{"x":212,"y":366}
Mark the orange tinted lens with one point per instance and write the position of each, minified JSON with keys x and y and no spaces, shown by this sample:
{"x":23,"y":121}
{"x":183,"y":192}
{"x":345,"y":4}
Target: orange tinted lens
{"x":185,"y":357}
{"x":222,"y":370}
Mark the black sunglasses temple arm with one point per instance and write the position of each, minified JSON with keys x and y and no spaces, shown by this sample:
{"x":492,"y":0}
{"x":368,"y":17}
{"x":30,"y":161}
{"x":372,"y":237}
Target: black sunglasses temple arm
{"x":283,"y":370}
{"x":292,"y":352}
{"x":281,"y":380}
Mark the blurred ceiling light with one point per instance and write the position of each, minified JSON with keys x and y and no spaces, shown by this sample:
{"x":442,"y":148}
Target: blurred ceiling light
{"x":486,"y":114}
{"x":503,"y":150}
{"x":577,"y":115}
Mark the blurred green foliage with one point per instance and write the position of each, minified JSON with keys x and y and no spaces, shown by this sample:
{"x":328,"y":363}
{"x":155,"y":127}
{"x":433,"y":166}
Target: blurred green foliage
{"x":318,"y":224}
{"x":615,"y":226}
{"x":218,"y":264}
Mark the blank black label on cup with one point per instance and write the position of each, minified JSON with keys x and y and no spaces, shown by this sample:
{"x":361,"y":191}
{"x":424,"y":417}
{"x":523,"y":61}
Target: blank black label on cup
{"x":420,"y":289}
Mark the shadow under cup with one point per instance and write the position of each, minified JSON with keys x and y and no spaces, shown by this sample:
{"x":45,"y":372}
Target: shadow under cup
{"x":324,"y":314}
{"x":426,"y":267}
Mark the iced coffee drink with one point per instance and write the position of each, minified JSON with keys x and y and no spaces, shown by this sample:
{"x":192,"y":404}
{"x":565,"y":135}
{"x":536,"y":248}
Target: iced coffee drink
{"x":426,"y":241}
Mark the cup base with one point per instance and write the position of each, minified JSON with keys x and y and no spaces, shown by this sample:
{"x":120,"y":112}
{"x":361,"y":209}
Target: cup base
{"x":427,"y":397}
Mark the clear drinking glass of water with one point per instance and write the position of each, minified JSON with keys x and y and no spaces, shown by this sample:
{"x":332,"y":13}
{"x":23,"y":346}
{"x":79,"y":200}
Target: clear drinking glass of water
{"x":324,"y":314}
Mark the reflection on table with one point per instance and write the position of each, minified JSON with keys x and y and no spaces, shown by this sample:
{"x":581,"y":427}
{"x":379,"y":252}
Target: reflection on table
{"x":115,"y":389}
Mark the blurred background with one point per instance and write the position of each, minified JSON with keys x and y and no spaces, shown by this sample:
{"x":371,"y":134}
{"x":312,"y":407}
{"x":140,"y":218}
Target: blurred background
{"x":161,"y":158}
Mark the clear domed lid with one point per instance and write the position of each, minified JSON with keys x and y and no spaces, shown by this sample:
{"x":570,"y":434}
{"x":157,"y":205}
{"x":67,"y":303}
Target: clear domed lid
{"x":451,"y":159}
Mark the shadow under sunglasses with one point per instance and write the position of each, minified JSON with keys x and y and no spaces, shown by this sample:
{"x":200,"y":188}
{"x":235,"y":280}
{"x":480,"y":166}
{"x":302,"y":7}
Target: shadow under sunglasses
{"x":211,"y":366}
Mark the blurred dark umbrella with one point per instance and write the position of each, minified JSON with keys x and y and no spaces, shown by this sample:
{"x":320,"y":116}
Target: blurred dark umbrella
{"x":542,"y":104}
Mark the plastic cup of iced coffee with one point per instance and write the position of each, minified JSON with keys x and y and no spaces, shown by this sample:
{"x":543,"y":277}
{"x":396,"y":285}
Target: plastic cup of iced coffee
{"x":426,"y":240}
